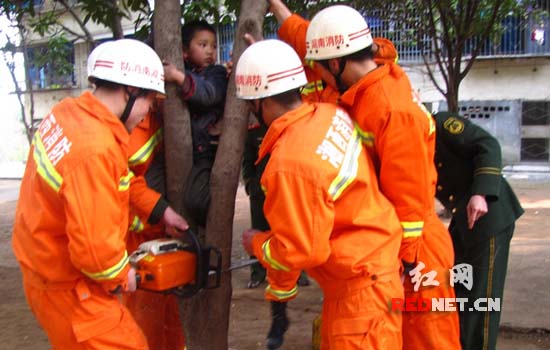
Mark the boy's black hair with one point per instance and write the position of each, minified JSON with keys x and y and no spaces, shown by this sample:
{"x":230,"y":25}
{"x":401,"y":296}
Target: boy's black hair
{"x":189,"y":29}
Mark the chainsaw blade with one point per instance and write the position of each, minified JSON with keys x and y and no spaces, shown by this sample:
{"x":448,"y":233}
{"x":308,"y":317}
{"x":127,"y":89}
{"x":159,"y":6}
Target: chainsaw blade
{"x":241,"y":264}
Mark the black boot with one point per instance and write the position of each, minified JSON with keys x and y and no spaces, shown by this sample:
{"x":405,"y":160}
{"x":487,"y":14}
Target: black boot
{"x":279,"y":325}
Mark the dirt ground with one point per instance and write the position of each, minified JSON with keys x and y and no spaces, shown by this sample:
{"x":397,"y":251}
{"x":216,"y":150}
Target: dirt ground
{"x":249,"y":312}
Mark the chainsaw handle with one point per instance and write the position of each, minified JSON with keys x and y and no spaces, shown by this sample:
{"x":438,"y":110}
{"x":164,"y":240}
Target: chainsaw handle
{"x":193,"y":289}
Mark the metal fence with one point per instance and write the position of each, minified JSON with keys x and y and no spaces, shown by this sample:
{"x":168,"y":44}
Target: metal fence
{"x":226,"y":34}
{"x":526,"y":35}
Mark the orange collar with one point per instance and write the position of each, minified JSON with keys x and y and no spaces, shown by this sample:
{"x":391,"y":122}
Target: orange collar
{"x":279,"y":125}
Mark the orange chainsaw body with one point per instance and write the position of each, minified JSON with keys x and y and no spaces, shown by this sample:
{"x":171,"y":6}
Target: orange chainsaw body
{"x":167,"y":271}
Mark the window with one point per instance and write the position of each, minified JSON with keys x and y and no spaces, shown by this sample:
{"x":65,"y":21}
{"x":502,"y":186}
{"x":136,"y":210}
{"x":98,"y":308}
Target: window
{"x":535,"y":113}
{"x":36,"y":3}
{"x":51,"y":66}
{"x":534,"y":149}
{"x":535,"y":117}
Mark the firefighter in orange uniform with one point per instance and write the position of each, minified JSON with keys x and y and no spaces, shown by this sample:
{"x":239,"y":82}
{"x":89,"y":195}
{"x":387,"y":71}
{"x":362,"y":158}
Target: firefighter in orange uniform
{"x":323,"y":205}
{"x":157,"y":314}
{"x":321,"y":86}
{"x":399,"y":135}
{"x":72,"y":216}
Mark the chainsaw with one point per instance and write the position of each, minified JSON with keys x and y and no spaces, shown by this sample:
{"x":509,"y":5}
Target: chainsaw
{"x":179,"y":266}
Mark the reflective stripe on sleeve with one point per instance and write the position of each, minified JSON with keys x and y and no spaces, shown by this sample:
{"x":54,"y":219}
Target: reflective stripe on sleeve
{"x":366,"y":137}
{"x":45,"y":167}
{"x":109,"y":273}
{"x":145,"y":152}
{"x":124,"y":182}
{"x":348,"y":169}
{"x":311,"y":87}
{"x":275,"y":265}
{"x":282,"y":294}
{"x":412,"y":228}
{"x":136,"y":225}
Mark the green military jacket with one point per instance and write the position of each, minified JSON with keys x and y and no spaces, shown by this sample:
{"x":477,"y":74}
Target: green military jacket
{"x":468,"y":162}
{"x":252,"y":172}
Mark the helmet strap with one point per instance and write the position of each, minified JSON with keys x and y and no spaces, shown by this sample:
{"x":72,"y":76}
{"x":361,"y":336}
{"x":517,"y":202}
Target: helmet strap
{"x":338,"y":76}
{"x":130,"y":104}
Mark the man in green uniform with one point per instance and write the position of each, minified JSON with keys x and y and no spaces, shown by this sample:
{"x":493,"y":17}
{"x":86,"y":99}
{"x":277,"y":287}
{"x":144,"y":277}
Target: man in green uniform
{"x":484,"y":210}
{"x":252,"y":173}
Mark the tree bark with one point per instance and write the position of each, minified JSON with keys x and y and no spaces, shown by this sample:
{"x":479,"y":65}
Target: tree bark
{"x":206,"y":317}
{"x":177,"y":125}
{"x":116,"y":26}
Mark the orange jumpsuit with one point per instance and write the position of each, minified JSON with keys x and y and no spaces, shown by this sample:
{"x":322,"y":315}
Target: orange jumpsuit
{"x":400,"y":138}
{"x":157,"y":314}
{"x":70,"y":228}
{"x":328,"y":216}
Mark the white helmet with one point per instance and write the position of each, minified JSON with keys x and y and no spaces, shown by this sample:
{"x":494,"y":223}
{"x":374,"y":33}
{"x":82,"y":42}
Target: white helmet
{"x":336,"y":31}
{"x":127,"y":62}
{"x":267,"y":68}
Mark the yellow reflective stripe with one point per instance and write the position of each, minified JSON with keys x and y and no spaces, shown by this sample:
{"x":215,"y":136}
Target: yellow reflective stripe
{"x":136,"y":225}
{"x":145,"y":152}
{"x":367,"y":137}
{"x":264,"y":190}
{"x":312,"y":87}
{"x":269,"y":259}
{"x":396,"y":57}
{"x":412,"y":228}
{"x":348,"y":170}
{"x":44,"y":166}
{"x":487,"y":171}
{"x":109,"y":273}
{"x":310,"y":63}
{"x":124,"y":182}
{"x":282,"y":294}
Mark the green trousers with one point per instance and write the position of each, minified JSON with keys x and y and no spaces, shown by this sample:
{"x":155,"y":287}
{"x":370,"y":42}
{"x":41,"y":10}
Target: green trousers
{"x":258,"y":221}
{"x":489,"y":258}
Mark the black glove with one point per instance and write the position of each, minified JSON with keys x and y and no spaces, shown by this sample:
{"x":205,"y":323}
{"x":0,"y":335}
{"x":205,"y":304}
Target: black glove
{"x":279,"y":325}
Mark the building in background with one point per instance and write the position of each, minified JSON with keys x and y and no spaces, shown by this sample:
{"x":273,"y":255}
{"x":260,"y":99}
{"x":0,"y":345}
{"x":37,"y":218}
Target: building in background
{"x":48,"y":86}
{"x":507,"y":91}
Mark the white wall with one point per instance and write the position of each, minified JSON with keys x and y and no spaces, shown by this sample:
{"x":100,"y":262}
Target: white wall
{"x":495,"y":79}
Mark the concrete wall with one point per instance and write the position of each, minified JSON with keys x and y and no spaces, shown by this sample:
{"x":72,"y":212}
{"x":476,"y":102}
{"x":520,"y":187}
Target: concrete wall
{"x":495,"y":79}
{"x":491,"y":95}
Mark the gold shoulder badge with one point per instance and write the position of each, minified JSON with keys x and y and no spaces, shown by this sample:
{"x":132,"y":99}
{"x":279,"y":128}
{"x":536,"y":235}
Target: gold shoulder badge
{"x":454,"y":125}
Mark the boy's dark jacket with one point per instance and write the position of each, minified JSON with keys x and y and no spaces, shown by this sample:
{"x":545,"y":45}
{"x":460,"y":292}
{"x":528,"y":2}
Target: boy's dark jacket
{"x":205,"y":92}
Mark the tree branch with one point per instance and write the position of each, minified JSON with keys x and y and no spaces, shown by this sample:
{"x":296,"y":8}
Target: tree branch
{"x":77,"y":19}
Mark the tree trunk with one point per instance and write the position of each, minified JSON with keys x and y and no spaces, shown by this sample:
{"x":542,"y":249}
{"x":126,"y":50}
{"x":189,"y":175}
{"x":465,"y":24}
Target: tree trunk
{"x":206,"y":317}
{"x":452,"y":93}
{"x":177,"y":125}
{"x":116,"y":26}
